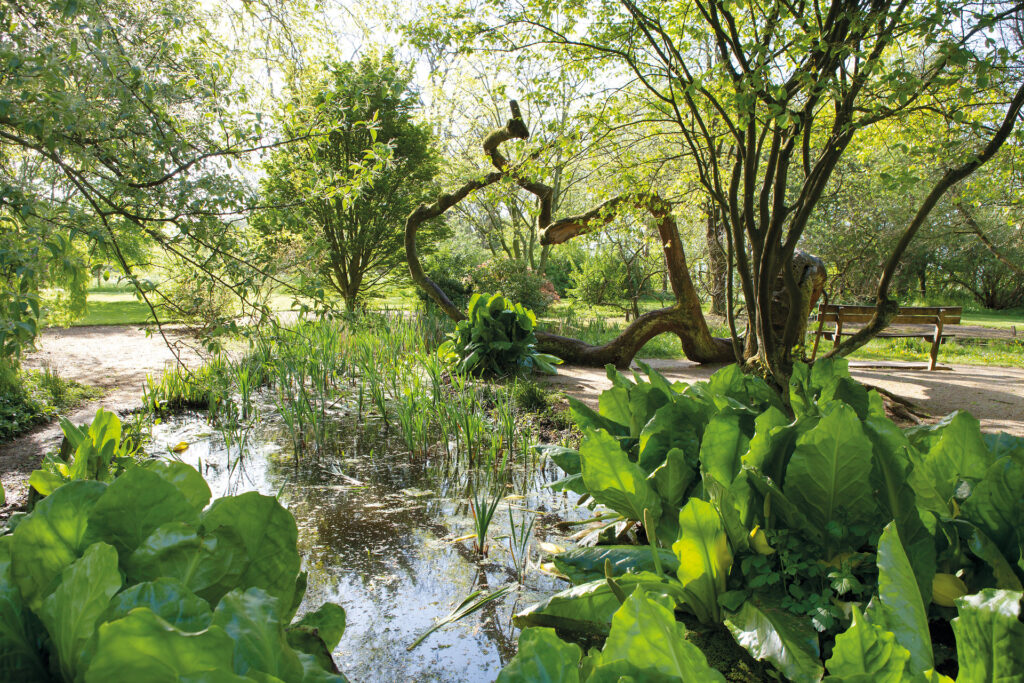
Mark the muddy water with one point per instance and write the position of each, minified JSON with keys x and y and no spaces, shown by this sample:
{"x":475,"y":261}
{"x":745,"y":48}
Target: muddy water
{"x":377,"y":530}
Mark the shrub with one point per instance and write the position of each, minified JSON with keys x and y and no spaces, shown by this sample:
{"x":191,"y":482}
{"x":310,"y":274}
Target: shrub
{"x":193,"y":297}
{"x":496,"y":339}
{"x":515,"y":280}
{"x":139,"y":579}
{"x":32,"y":397}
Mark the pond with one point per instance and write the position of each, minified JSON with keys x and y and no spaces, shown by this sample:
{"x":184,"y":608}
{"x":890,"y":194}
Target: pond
{"x":382,"y":533}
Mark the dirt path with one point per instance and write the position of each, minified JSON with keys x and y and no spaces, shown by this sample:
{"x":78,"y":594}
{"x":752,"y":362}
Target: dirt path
{"x":993,"y":395}
{"x":115,"y":358}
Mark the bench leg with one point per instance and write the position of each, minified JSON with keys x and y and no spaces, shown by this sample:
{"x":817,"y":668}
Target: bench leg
{"x":817,"y":338}
{"x":933,"y":356}
{"x":839,"y":333}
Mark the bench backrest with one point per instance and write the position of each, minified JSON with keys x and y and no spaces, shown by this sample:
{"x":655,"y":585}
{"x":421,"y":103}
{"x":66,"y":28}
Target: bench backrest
{"x":907,"y":315}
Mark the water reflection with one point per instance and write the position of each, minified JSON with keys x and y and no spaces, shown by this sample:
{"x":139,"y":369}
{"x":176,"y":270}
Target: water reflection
{"x":376,"y":531}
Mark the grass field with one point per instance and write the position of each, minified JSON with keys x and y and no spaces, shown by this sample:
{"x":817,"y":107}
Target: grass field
{"x":117,"y":305}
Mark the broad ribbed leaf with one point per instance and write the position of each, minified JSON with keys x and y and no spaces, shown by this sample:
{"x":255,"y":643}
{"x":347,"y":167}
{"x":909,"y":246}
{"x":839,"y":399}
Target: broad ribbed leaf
{"x":51,"y":538}
{"x":645,"y":634}
{"x":704,"y":557}
{"x":996,"y":504}
{"x":170,"y":599}
{"x":543,"y":657}
{"x":252,"y":619}
{"x":904,"y":607}
{"x":587,"y":564}
{"x":614,"y":480}
{"x":134,"y":505}
{"x":674,"y":426}
{"x":144,"y":647}
{"x":778,"y":636}
{"x":673,"y":478}
{"x":990,"y":637}
{"x":722,"y":447}
{"x":72,"y":611}
{"x":269,"y":535}
{"x":828,"y":477}
{"x":20,"y":631}
{"x":866,"y":653}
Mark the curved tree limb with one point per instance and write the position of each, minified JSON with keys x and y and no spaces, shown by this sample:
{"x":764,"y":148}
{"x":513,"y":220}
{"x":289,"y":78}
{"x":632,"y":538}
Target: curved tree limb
{"x":684,"y":318}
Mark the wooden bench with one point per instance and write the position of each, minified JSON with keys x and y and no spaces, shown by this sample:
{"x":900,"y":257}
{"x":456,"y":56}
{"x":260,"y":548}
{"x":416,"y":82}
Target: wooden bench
{"x":937,"y":316}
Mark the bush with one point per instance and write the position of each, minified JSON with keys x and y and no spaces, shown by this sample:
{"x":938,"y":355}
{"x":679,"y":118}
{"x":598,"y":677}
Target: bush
{"x":141,"y":579}
{"x":192,"y":297}
{"x":496,"y":339}
{"x":32,"y":397}
{"x":516,"y":281}
{"x":605,"y":278}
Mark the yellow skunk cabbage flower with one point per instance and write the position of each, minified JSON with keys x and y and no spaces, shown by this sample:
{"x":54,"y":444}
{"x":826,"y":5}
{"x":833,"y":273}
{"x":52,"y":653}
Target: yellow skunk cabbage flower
{"x":946,"y":588}
{"x":722,"y":559}
{"x":759,"y":542}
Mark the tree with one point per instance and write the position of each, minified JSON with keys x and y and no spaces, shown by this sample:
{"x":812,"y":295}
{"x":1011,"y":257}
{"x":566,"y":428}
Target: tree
{"x":119,"y":124}
{"x":354,"y":237}
{"x":766,"y":97}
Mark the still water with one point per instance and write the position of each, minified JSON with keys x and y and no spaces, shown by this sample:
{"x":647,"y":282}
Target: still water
{"x":377,"y":532}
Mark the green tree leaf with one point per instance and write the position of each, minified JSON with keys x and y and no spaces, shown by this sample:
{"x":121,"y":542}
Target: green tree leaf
{"x":613,"y":480}
{"x":252,"y":618}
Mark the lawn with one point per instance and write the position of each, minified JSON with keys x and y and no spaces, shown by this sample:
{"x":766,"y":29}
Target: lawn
{"x":114,"y":308}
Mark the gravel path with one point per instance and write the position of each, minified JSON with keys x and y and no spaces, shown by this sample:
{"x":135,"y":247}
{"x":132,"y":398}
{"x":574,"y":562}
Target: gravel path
{"x":115,"y":358}
{"x":993,"y":395}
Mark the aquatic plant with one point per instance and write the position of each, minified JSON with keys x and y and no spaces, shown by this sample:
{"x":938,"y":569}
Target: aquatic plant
{"x":497,"y":338}
{"x":482,"y":506}
{"x":163,"y":586}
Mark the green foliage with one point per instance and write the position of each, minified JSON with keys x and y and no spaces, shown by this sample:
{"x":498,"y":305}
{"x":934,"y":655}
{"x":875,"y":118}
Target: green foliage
{"x":348,"y":217}
{"x":604,"y":276}
{"x":517,"y":281}
{"x":496,"y":339}
{"x":135,"y":580}
{"x":782,"y":525}
{"x":645,"y":643}
{"x":32,"y":397}
{"x":97,"y":453}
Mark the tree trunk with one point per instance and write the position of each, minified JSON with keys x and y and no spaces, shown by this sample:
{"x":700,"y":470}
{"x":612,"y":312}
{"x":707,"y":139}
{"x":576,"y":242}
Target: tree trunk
{"x":718,"y":267}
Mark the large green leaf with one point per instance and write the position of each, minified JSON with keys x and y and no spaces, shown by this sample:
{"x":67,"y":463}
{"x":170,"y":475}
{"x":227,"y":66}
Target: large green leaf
{"x":566,"y":458}
{"x":645,"y":634}
{"x":208,"y":565}
{"x":269,"y":535}
{"x":778,"y":636}
{"x":588,"y":564}
{"x":749,"y":390}
{"x":587,"y":609}
{"x":866,"y":653}
{"x":20,"y":632}
{"x":169,"y":599}
{"x":982,"y":547}
{"x":72,"y":611}
{"x":185,"y":478}
{"x":996,"y":505}
{"x":990,"y":637}
{"x":252,"y":619}
{"x":704,"y":557}
{"x":950,"y":450}
{"x":51,"y":538}
{"x":134,"y":505}
{"x":722,"y":447}
{"x":329,"y":622}
{"x":828,"y":477}
{"x":586,"y":418}
{"x":144,"y":647}
{"x":614,"y":480}
{"x":904,"y":607}
{"x":543,"y":658}
{"x":772,"y":444}
{"x":673,"y":478}
{"x":673,"y":426}
{"x":889,"y":475}
{"x":613,"y":404}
